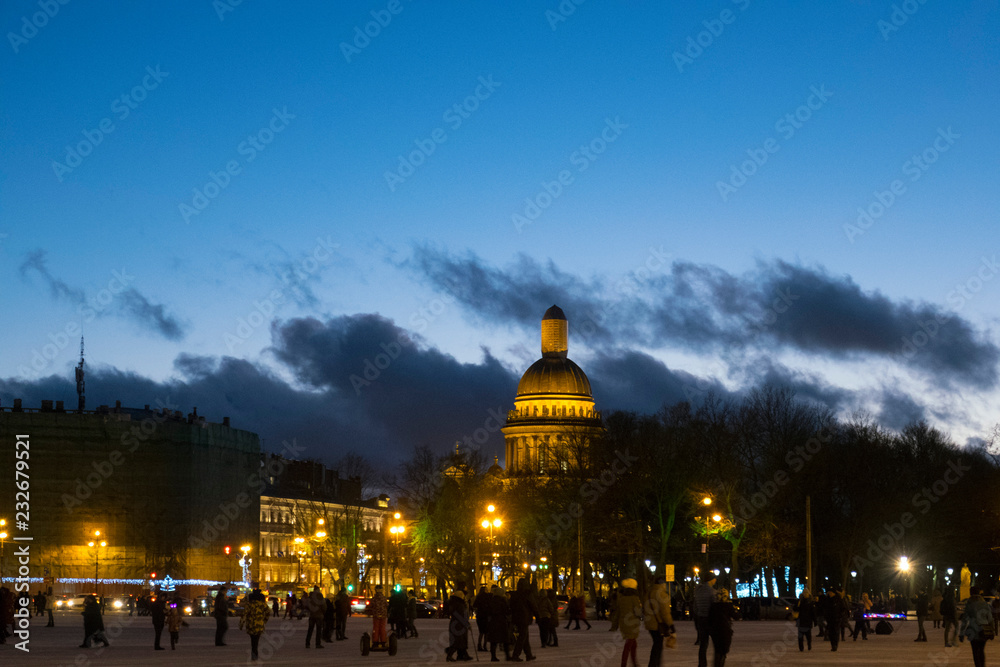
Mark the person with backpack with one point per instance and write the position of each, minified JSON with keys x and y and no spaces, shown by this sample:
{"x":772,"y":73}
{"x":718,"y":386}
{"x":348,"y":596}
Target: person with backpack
{"x":977,"y":626}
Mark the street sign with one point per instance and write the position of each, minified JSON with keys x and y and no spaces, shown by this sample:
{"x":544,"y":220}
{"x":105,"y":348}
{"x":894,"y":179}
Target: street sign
{"x":668,"y":572}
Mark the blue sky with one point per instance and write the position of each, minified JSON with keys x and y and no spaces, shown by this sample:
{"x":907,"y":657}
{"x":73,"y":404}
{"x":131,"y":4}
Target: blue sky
{"x":641,"y":136}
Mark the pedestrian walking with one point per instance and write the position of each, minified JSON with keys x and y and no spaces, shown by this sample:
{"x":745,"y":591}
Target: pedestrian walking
{"x":545,"y":608}
{"x":522,"y":612}
{"x":977,"y":626}
{"x":480,"y":607}
{"x":923,"y":611}
{"x":834,"y":611}
{"x":629,"y":620}
{"x":553,"y":624}
{"x":721,"y":615}
{"x":175,"y":621}
{"x":949,"y":617}
{"x":659,"y":622}
{"x":254,"y":618}
{"x":806,"y":619}
{"x":411,"y":614}
{"x":158,"y":612}
{"x":936,"y":598}
{"x":93,"y":624}
{"x":704,"y":596}
{"x":498,"y":623}
{"x":221,"y":613}
{"x":341,"y":609}
{"x":316,"y":604}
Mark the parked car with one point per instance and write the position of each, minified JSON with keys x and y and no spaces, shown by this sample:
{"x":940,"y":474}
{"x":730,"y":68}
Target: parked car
{"x":359,"y":605}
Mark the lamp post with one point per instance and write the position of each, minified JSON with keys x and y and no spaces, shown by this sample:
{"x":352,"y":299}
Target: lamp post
{"x":396,"y":531}
{"x":96,"y":544}
{"x":489,"y":522}
{"x":3,"y":536}
{"x":299,"y":541}
{"x":320,"y":536}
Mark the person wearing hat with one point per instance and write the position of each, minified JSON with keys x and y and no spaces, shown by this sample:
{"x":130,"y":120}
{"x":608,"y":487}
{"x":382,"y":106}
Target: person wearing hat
{"x":629,"y":619}
{"x":254,"y":619}
{"x":704,"y":596}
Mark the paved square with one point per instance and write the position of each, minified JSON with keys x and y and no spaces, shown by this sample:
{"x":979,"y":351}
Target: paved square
{"x":755,"y":643}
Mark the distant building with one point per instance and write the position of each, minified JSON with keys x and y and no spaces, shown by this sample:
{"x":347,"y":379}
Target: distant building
{"x":315,"y":527}
{"x":553,"y":422}
{"x":166,"y":491}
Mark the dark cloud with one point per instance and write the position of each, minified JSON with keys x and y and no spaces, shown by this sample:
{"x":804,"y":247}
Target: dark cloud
{"x":635,"y":381}
{"x":122,"y":300}
{"x":708,"y":310}
{"x":899,"y":409}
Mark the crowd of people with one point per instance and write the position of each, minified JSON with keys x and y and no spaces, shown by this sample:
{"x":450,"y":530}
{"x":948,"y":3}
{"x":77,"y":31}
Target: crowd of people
{"x":503,"y":618}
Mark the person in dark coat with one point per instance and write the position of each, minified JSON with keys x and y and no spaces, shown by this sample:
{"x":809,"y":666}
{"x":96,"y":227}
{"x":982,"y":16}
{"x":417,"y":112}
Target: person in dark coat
{"x":411,"y":614}
{"x":860,"y":624}
{"x":329,"y":616}
{"x":553,"y":623}
{"x":721,"y":615}
{"x":158,"y":612}
{"x":834,"y":611}
{"x":481,"y":608}
{"x":498,"y":622}
{"x":221,"y":613}
{"x":397,"y":612}
{"x":522,"y":612}
{"x":459,"y":626}
{"x":949,"y":617}
{"x":806,"y":619}
{"x":342,"y":609}
{"x":93,"y":624}
{"x":923,"y":610}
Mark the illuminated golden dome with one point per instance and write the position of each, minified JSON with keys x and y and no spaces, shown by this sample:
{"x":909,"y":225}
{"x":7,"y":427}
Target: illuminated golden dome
{"x":554,"y":375}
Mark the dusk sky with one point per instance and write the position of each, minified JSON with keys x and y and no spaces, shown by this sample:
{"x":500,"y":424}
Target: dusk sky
{"x":242,"y":204}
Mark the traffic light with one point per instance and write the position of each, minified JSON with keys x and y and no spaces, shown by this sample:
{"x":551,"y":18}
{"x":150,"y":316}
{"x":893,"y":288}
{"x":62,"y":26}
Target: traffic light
{"x":350,"y":588}
{"x":226,"y":549}
{"x":152,"y":575}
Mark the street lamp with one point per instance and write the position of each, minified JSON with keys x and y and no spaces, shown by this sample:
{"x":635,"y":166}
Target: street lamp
{"x":396,"y":531}
{"x":96,"y":544}
{"x":299,"y":541}
{"x":320,"y":536}
{"x":489,"y":522}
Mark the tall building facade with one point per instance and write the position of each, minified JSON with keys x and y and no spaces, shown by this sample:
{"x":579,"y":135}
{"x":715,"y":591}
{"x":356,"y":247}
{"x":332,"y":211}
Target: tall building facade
{"x":116,"y":494}
{"x":553,"y":422}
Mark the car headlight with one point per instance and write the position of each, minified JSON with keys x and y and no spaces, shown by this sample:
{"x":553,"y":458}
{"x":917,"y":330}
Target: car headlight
{"x":187,"y":610}
{"x":69,"y":603}
{"x":118,"y":604}
{"x":59,"y":603}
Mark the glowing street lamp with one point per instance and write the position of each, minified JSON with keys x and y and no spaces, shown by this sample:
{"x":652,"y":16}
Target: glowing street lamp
{"x":96,"y":545}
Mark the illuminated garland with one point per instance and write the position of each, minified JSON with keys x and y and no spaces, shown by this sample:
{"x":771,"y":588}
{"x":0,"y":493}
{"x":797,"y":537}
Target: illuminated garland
{"x":130,"y":582}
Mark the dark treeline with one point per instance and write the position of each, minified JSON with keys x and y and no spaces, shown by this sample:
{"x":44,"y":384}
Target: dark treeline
{"x":638,"y":495}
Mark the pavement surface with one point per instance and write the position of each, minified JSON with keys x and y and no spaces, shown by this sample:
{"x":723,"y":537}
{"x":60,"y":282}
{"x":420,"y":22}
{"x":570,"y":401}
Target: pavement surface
{"x":755,"y":644}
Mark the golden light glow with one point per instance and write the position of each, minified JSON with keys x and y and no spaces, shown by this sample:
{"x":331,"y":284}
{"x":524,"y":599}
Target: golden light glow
{"x":490,"y":508}
{"x":397,"y":516}
{"x":904,"y":564}
{"x":321,"y":521}
{"x":497,"y":523}
{"x":245,"y":549}
{"x":706,"y":501}
{"x":716,"y":517}
{"x":320,"y":534}
{"x":486,"y":523}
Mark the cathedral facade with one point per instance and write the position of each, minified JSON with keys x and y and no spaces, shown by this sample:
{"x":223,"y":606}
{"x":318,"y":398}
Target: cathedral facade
{"x":553,"y":422}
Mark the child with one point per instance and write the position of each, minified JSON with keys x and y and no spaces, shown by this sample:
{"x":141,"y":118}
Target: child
{"x":175,"y":618}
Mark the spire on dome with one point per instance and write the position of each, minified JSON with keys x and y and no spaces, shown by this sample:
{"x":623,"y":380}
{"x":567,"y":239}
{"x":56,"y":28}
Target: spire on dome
{"x":555,"y":333}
